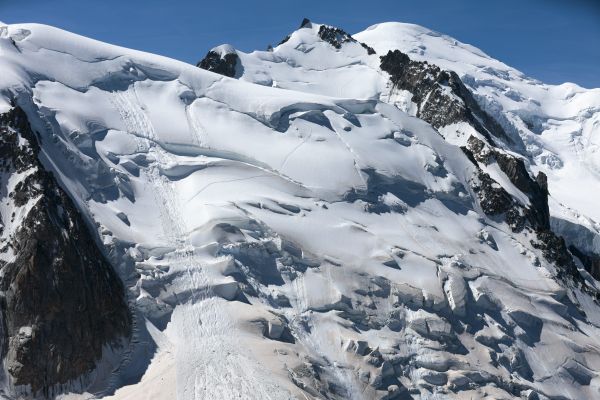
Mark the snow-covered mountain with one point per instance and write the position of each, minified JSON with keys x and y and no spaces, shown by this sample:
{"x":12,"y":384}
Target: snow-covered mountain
{"x":387,"y":215}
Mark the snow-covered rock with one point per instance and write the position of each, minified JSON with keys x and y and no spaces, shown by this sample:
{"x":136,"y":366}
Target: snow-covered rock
{"x":353,"y":217}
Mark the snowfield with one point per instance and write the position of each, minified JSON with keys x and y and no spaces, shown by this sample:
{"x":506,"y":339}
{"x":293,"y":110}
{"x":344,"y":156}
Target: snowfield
{"x":296,"y":232}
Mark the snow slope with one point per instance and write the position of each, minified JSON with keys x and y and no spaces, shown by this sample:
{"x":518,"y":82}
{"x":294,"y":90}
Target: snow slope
{"x":298,"y":233}
{"x":556,"y":123}
{"x":553,"y":126}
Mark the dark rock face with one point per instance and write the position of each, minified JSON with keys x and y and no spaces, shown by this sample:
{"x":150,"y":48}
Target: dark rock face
{"x":337,"y":37}
{"x":305,"y":23}
{"x":555,"y":250}
{"x":538,"y":213}
{"x":61,"y":302}
{"x":536,"y":190}
{"x":441,"y":96}
{"x":284,"y":40}
{"x":496,"y":201}
{"x":226,"y":65}
{"x":443,"y":99}
{"x":493,"y":198}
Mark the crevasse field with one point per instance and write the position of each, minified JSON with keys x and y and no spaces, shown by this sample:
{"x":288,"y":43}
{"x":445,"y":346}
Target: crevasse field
{"x":297,"y":232}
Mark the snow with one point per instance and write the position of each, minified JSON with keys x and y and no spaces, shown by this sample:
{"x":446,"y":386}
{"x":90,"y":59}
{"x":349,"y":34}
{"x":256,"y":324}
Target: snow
{"x":224,"y":49}
{"x":194,"y":178}
{"x":562,"y":118}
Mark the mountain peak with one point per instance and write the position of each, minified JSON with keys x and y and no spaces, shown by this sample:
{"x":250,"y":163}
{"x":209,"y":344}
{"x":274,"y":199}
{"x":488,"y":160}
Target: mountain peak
{"x":328,"y":224}
{"x":222,"y":60}
{"x":305,"y":23}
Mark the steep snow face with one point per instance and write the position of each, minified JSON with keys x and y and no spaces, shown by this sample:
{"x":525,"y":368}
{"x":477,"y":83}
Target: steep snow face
{"x":305,"y":62}
{"x":552,"y":126}
{"x":299,"y":238}
{"x":556,"y":123}
{"x":326,"y":60}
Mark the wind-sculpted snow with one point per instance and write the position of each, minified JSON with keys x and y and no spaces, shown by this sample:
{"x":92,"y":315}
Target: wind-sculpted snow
{"x":556,"y":123}
{"x":299,"y":233}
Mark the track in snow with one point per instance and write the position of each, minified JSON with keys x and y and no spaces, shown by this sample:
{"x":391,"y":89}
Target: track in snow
{"x":209,"y":361}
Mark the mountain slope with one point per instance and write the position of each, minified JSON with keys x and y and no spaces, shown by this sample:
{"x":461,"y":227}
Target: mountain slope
{"x":62,"y":304}
{"x":307,"y":230}
{"x":551,"y":126}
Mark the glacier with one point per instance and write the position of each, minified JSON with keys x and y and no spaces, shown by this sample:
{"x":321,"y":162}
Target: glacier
{"x":303,"y":229}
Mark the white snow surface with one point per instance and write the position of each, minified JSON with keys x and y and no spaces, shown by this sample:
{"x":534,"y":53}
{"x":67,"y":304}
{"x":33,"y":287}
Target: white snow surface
{"x":557,"y":124}
{"x":193,"y":179}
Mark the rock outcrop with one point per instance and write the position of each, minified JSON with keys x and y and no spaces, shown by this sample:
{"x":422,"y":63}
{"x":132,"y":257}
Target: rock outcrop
{"x":337,"y":37}
{"x":61,"y":301}
{"x":537,"y":212}
{"x":221,"y":61}
{"x":441,"y":97}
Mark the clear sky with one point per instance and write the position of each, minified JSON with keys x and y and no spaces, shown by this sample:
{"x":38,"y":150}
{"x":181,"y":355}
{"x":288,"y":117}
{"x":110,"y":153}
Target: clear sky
{"x":551,"y":40}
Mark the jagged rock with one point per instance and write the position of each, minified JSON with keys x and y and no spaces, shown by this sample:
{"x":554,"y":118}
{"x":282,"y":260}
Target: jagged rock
{"x":62,"y":301}
{"x":436,"y":104}
{"x":224,"y":61}
{"x":538,"y":212}
{"x":305,"y":23}
{"x":337,"y":37}
{"x":494,"y":200}
{"x":284,"y":40}
{"x":555,"y":250}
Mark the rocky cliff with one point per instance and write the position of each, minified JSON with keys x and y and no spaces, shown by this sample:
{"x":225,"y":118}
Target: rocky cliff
{"x":61,"y":301}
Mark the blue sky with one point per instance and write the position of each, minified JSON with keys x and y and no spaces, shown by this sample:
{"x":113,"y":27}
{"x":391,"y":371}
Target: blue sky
{"x":552,"y":40}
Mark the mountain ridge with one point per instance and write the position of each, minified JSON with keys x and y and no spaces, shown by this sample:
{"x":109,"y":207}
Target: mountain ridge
{"x":299,"y":232}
